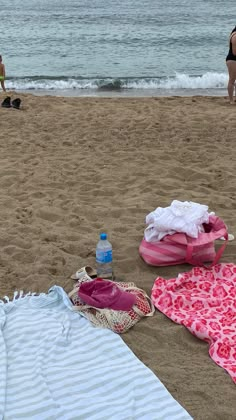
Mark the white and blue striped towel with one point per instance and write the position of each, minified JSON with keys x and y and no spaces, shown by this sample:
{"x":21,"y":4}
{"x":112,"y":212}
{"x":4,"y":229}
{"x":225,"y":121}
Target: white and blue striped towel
{"x":55,"y":365}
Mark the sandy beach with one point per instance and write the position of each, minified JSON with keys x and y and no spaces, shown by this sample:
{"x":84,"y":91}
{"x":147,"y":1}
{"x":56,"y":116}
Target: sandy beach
{"x":73,"y":167}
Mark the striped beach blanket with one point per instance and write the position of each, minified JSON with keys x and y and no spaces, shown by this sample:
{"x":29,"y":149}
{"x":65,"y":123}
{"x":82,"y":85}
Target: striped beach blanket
{"x":55,"y":365}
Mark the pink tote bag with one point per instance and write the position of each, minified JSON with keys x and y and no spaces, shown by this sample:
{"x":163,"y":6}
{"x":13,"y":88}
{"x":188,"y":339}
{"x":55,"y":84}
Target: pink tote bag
{"x":181,"y":248}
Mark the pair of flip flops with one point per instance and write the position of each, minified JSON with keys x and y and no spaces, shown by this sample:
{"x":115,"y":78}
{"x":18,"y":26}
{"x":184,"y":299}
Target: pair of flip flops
{"x":7,"y":103}
{"x":85,"y":273}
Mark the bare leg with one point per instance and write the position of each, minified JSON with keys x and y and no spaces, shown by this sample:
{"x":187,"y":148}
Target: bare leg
{"x":232,"y":77}
{"x":3,"y":86}
{"x":231,"y":90}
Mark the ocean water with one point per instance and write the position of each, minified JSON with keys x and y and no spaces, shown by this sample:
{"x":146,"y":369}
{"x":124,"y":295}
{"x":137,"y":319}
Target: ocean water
{"x":128,"y":47}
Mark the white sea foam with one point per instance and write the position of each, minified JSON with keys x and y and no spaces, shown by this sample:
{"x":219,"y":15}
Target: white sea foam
{"x":50,"y":84}
{"x":183,"y":81}
{"x":179,"y":81}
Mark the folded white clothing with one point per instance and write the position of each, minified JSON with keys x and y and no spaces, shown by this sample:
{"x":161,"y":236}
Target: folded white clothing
{"x":186,"y":217}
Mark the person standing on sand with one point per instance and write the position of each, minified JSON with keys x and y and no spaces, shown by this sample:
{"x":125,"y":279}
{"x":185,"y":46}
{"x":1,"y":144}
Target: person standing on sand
{"x":231,"y":64}
{"x":2,"y":74}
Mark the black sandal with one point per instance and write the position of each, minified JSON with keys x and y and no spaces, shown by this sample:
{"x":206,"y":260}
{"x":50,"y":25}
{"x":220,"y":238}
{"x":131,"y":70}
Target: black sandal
{"x":16,"y":103}
{"x":6,"y":103}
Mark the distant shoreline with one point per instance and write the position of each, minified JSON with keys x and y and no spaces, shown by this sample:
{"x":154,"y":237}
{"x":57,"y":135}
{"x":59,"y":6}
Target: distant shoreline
{"x":123,"y":93}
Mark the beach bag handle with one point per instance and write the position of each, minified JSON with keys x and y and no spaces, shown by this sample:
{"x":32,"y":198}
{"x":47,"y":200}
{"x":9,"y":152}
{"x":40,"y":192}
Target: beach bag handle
{"x":205,"y":238}
{"x":135,"y":308}
{"x":219,"y":253}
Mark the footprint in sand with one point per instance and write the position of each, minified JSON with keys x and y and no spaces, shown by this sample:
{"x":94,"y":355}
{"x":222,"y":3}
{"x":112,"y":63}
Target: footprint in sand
{"x":24,"y":215}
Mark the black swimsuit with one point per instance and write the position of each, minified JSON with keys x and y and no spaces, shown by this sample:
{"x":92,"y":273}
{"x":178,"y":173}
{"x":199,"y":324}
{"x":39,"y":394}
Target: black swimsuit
{"x":230,"y":55}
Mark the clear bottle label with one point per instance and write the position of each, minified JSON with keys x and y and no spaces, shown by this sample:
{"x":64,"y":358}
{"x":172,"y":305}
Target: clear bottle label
{"x":104,"y":257}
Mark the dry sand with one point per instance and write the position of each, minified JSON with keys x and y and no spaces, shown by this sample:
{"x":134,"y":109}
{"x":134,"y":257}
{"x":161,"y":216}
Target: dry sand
{"x":73,"y":167}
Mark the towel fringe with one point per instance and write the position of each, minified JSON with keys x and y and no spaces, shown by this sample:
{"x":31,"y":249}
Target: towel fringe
{"x":18,"y":294}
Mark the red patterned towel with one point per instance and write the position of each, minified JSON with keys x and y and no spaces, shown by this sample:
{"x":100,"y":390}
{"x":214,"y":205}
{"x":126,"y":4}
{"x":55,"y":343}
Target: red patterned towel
{"x":204,"y":301}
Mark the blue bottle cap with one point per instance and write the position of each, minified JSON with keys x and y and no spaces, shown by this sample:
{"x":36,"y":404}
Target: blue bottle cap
{"x":103,"y":236}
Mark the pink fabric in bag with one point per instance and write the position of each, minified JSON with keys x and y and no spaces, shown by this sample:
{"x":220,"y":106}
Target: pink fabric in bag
{"x":204,"y":301}
{"x":180,"y":248}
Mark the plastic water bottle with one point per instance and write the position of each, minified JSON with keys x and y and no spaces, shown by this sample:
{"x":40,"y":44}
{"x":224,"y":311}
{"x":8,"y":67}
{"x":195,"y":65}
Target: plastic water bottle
{"x":104,"y":258}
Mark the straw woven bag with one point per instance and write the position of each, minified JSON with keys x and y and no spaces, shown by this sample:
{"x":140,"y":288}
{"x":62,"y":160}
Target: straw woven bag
{"x":117,"y":321}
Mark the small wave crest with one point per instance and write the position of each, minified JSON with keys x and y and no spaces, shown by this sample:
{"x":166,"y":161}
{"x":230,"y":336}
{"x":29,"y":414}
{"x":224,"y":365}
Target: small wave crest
{"x":48,"y":83}
{"x":179,"y":81}
{"x":183,"y":81}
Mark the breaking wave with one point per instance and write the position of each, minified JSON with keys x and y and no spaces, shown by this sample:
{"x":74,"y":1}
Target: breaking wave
{"x":179,"y":81}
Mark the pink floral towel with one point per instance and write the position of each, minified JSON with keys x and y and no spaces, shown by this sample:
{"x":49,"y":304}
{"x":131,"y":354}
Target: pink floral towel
{"x":204,"y":301}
